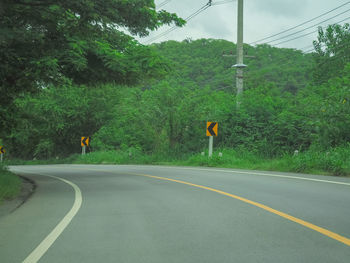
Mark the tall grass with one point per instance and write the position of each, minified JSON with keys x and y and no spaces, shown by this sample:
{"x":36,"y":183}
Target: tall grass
{"x":335,"y":161}
{"x":130,"y":156}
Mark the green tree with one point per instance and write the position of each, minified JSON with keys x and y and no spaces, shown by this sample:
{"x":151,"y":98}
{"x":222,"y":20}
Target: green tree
{"x":327,"y":109}
{"x":45,"y":42}
{"x":332,"y":52}
{"x":52,"y":122}
{"x":281,"y":110}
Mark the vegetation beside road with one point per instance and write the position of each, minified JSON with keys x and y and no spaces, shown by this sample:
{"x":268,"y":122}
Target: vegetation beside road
{"x":283,"y":108}
{"x":69,"y":71}
{"x":335,"y":162}
{"x":10,"y":184}
{"x":163,"y":121}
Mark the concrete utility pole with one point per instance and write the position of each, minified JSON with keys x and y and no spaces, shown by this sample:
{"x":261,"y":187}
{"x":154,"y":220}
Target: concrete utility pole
{"x":239,"y":66}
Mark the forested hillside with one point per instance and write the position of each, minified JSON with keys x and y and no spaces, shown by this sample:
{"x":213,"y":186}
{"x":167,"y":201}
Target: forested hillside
{"x":291,"y":102}
{"x":209,"y":62}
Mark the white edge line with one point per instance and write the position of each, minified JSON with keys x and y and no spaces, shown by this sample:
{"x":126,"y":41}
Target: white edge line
{"x":271,"y":175}
{"x":41,"y":249}
{"x":250,"y":173}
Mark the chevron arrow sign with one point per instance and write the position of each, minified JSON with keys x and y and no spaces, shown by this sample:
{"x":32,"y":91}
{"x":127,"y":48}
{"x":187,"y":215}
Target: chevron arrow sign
{"x":212,"y":128}
{"x":85,"y":141}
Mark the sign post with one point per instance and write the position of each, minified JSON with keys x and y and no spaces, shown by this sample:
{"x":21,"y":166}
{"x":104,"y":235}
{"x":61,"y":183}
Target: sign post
{"x":211,"y":139}
{"x":2,"y":152}
{"x":83,"y":150}
{"x":84,"y":142}
{"x":212,"y":130}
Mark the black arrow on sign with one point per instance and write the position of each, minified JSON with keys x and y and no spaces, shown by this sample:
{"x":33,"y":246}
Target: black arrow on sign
{"x":84,"y":141}
{"x":210,"y":129}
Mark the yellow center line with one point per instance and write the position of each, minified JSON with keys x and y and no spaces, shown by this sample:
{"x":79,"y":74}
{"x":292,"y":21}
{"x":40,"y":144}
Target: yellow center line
{"x":309,"y":225}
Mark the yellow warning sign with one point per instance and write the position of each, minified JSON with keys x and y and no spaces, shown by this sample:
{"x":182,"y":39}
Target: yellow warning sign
{"x":85,"y":141}
{"x":212,"y":128}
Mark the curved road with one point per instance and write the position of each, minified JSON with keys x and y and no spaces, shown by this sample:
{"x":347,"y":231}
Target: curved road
{"x":108,"y":213}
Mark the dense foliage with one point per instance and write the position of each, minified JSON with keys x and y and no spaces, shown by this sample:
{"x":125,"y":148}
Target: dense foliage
{"x":332,"y":47}
{"x":47,"y":43}
{"x":291,"y":102}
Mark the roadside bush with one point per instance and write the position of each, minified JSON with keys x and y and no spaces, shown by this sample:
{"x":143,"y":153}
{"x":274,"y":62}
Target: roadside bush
{"x":335,"y":161}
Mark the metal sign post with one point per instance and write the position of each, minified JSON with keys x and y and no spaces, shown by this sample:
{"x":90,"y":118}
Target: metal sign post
{"x":211,"y":139}
{"x":212,"y":130}
{"x":85,"y":141}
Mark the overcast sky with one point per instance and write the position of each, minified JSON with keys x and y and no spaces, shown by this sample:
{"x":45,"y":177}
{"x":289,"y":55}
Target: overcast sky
{"x":262,"y":18}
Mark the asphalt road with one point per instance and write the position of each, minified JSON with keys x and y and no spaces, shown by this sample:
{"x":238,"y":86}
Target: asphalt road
{"x":105,"y":213}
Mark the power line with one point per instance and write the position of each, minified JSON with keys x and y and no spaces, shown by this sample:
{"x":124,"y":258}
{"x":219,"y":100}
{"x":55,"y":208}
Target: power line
{"x":288,"y":40}
{"x":309,"y":51}
{"x":163,"y":3}
{"x":307,"y":47}
{"x":200,"y":10}
{"x":193,"y":15}
{"x":308,"y":21}
{"x":308,"y":27}
{"x":287,"y":61}
{"x":222,"y":2}
{"x":341,"y":47}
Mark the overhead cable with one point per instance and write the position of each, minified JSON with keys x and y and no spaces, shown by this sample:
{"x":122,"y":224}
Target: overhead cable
{"x":175,"y":27}
{"x":200,"y":10}
{"x":163,"y":3}
{"x":294,"y":27}
{"x":314,"y":25}
{"x":222,"y":2}
{"x":288,"y":40}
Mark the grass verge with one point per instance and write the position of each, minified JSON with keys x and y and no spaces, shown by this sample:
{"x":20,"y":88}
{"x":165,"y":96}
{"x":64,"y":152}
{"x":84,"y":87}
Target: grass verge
{"x":10,"y":184}
{"x":336,"y":161}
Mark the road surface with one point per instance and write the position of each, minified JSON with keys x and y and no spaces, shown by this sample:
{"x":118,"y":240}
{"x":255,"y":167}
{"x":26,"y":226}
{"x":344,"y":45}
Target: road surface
{"x":122,"y":213}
